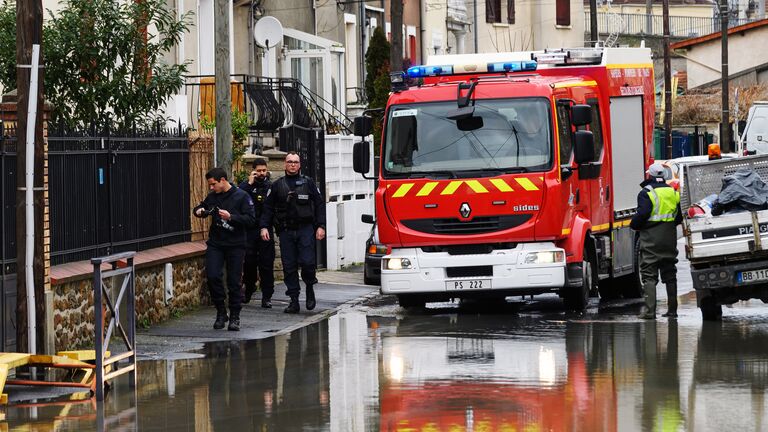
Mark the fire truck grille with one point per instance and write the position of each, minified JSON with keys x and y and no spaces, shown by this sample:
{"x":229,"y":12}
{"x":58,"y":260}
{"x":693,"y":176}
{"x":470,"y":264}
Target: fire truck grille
{"x":470,"y":271}
{"x":478,"y":225}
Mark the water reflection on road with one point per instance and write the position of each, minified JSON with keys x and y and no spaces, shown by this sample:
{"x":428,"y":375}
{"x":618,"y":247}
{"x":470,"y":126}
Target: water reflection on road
{"x":454,"y":371}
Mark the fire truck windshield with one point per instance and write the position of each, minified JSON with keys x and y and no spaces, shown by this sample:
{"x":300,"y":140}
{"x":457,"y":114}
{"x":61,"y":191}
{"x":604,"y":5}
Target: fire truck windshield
{"x":514,"y":136}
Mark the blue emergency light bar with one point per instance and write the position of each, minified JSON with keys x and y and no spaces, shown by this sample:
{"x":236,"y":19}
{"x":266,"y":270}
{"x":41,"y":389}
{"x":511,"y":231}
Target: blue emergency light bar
{"x":513,"y":66}
{"x":516,"y":66}
{"x":425,"y":71}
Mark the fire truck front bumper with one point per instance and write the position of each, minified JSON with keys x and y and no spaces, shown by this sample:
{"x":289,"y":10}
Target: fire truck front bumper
{"x":526,"y":269}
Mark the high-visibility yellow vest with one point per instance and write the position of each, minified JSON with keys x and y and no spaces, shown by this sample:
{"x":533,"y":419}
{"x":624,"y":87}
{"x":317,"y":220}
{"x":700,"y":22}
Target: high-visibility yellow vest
{"x":664,"y":201}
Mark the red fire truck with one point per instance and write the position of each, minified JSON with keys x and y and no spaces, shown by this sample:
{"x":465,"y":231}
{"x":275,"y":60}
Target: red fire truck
{"x":513,"y":174}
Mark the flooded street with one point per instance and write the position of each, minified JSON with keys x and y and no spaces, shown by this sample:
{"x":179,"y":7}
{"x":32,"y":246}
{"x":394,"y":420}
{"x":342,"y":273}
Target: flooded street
{"x":528,"y":366}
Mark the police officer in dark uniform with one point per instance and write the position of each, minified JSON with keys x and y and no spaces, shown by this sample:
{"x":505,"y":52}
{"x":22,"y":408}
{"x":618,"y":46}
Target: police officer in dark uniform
{"x":297,"y":210}
{"x":232,"y":212}
{"x":260,"y":254}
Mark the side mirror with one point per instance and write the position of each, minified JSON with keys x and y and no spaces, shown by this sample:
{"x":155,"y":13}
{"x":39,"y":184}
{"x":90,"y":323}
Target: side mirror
{"x":584,"y":147}
{"x":361,"y":157}
{"x":363,"y":126}
{"x":469,"y":124}
{"x":366,"y":218}
{"x":461,"y":113}
{"x":581,"y":115}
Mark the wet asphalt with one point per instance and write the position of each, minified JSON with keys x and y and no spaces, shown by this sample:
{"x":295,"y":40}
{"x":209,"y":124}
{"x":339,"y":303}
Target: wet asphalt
{"x":526,"y":365}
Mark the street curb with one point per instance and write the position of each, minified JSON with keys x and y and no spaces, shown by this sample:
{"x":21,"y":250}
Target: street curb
{"x":326,"y":313}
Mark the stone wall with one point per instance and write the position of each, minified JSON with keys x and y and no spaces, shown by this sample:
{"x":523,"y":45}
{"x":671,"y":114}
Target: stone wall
{"x":73,"y":316}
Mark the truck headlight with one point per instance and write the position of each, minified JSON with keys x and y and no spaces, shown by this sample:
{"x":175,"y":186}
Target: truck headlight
{"x":545,"y":257}
{"x":396,"y":264}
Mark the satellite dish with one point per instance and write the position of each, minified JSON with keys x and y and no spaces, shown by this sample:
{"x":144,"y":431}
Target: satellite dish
{"x":268,"y":32}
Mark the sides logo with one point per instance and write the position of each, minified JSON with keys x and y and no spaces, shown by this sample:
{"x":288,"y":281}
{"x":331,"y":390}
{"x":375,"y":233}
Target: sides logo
{"x":465,"y":210}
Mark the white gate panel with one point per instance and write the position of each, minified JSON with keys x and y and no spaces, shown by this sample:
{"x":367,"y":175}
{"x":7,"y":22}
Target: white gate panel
{"x":348,"y":195}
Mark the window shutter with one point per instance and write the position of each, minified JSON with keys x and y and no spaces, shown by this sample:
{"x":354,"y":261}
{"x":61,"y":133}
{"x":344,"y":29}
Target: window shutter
{"x":490,"y":13}
{"x":563,"y":12}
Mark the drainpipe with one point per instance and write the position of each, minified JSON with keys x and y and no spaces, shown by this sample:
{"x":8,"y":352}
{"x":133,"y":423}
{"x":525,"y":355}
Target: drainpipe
{"x":423,"y":31}
{"x":474,"y":29}
{"x":29,"y":225}
{"x":362,"y":45}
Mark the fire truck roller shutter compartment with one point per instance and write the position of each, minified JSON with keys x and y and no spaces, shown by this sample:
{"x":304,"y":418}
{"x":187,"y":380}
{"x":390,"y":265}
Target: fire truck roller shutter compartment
{"x":628,"y":157}
{"x":628,"y":171}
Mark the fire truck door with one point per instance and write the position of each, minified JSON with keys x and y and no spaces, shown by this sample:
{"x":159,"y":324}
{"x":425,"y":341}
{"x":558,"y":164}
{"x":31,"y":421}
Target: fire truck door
{"x":599,"y":184}
{"x":572,"y":193}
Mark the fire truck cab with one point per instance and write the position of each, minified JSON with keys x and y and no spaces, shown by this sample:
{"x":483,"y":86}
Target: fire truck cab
{"x":513,"y":174}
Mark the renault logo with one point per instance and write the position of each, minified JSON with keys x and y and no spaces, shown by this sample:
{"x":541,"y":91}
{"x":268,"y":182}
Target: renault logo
{"x":465,"y":210}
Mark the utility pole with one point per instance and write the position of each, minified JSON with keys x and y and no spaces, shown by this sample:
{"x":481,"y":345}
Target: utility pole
{"x":667,"y":82}
{"x":29,"y":25}
{"x":396,"y":50}
{"x":223,"y":89}
{"x":593,"y":35}
{"x":725,"y":136}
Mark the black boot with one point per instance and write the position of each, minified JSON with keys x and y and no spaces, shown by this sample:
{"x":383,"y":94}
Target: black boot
{"x":234,"y":322}
{"x":671,"y":300}
{"x":221,"y":318}
{"x":311,"y":303}
{"x":266,"y":303}
{"x":293,"y":307}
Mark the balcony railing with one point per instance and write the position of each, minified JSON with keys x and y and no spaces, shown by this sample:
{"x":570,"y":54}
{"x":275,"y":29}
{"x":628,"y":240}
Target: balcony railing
{"x":269,"y":102}
{"x":641,"y":24}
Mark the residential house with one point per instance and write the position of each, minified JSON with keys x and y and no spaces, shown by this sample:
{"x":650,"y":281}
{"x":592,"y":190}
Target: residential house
{"x":514,"y":25}
{"x":746,"y":65}
{"x":448,"y":27}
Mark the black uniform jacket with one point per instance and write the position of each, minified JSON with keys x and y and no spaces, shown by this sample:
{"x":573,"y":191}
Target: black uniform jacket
{"x":239,"y":204}
{"x":269,"y":214}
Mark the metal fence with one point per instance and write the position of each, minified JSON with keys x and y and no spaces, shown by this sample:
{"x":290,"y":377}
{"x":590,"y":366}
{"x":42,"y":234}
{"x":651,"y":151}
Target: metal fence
{"x":114,"y":192}
{"x":309,"y":143}
{"x":8,"y":239}
{"x":641,"y":24}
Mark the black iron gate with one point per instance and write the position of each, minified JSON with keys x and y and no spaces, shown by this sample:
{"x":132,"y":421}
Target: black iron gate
{"x":8,"y":240}
{"x":309,"y":143}
{"x":113,"y":193}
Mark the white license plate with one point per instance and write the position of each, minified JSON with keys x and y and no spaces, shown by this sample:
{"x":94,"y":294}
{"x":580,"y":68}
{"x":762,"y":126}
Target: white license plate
{"x":752,"y":276}
{"x":471,"y":284}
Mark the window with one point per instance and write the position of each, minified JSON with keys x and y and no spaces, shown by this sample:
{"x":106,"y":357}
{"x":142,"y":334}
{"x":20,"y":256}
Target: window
{"x":564,"y":131}
{"x":563,"y":12}
{"x":597,"y":128}
{"x":511,"y":11}
{"x":412,"y":50}
{"x":493,"y":11}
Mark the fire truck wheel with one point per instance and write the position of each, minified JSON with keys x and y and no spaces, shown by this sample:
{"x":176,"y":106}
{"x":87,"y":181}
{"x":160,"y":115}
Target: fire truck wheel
{"x":411,"y":301}
{"x":609,"y":289}
{"x":577,"y":298}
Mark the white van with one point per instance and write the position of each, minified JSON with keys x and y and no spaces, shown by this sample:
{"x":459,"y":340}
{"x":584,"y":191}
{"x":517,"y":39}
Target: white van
{"x":754,"y":140}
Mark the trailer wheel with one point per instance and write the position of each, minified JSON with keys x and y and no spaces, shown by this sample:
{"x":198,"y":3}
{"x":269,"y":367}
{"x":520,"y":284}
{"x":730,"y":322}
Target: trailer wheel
{"x":710,"y":310}
{"x":577,"y":298}
{"x":411,"y":301}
